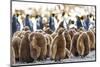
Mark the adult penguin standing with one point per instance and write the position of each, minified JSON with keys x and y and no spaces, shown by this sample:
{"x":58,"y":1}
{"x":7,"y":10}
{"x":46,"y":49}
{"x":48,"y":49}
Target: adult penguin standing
{"x":28,"y":22}
{"x":52,"y":22}
{"x":15,"y":23}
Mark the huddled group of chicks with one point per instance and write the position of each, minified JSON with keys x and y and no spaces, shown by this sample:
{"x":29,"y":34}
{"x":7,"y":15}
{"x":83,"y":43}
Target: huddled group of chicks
{"x":27,"y":46}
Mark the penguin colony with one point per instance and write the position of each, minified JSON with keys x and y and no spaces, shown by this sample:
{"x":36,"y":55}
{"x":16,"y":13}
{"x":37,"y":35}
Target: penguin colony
{"x":28,"y":47}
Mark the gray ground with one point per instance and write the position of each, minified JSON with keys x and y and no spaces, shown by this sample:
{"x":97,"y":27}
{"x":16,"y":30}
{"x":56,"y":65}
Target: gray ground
{"x":89,"y":57}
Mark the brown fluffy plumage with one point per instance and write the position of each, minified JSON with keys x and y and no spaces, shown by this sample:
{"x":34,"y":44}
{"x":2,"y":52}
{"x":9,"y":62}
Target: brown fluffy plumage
{"x":83,"y":46}
{"x":38,"y":45}
{"x":68,"y":40}
{"x":71,"y":32}
{"x":59,"y":46}
{"x":92,"y":39}
{"x":15,"y":44}
{"x":12,"y":56}
{"x":74,"y":44}
{"x":24,"y":51}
